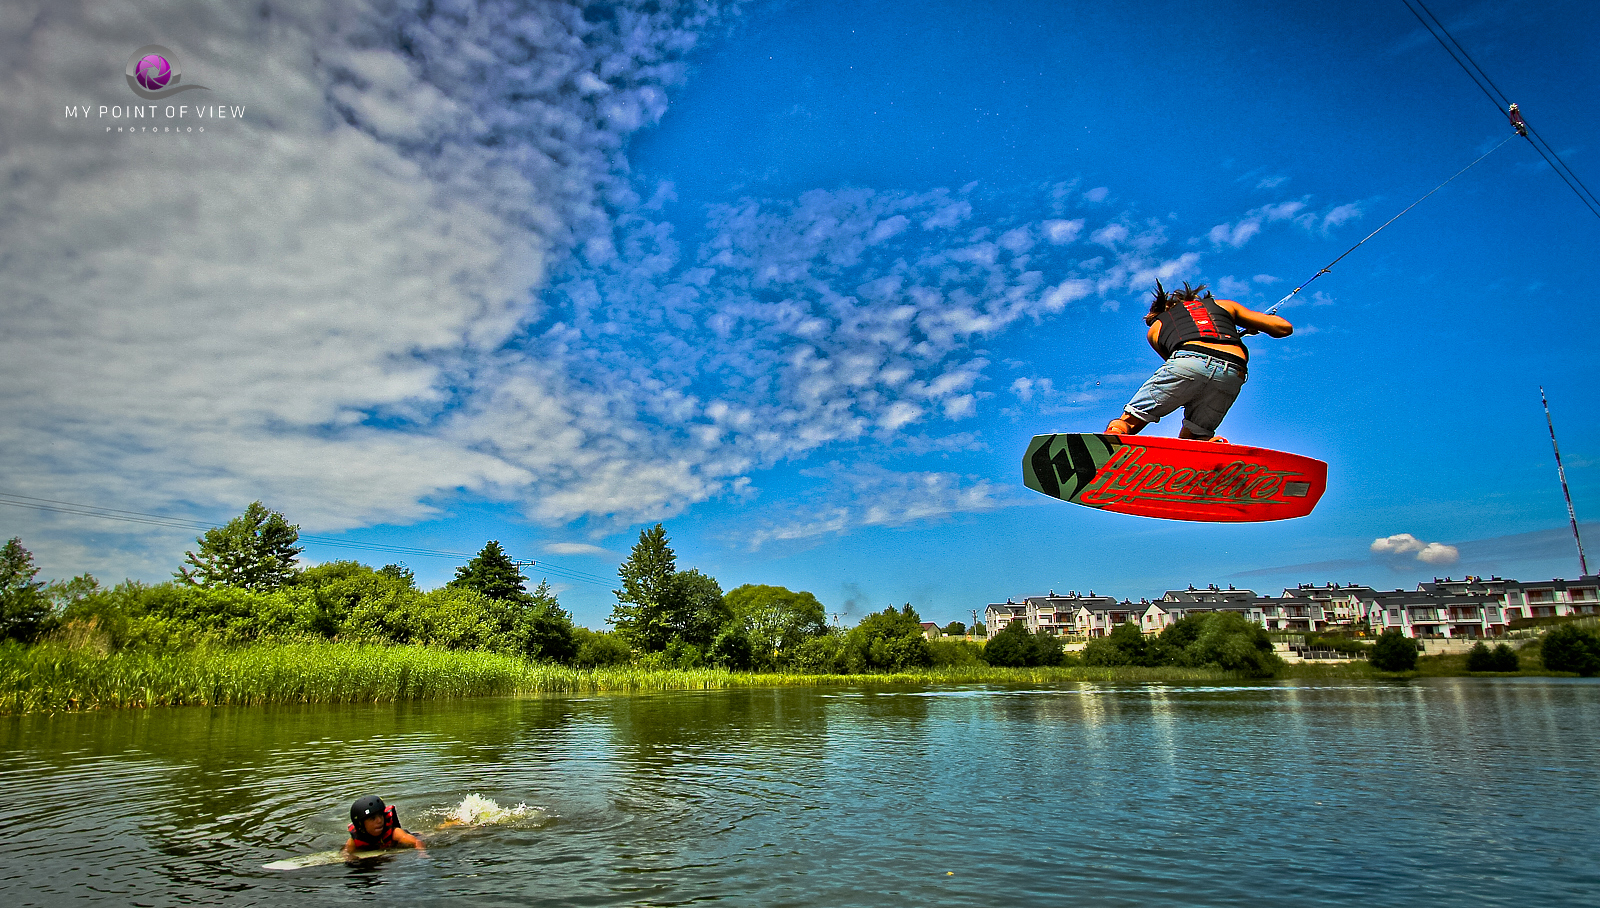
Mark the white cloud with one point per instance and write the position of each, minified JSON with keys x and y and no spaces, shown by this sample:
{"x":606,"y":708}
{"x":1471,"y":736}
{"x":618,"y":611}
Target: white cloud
{"x":411,"y":274}
{"x":1435,"y":553}
{"x":1061,"y":232}
{"x":577,"y":548}
{"x":1439,"y":553}
{"x":1340,"y":215}
{"x":288,"y":305}
{"x":868,"y":495}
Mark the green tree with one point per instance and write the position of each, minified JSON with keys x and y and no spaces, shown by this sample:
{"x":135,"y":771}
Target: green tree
{"x":642,"y":613}
{"x":254,"y":551}
{"x":955,"y":629}
{"x":661,"y":609}
{"x":527,"y":624}
{"x":1012,"y":647}
{"x":1568,"y":649}
{"x":493,"y":574}
{"x":1394,"y":652}
{"x":597,"y":649}
{"x":1229,"y":641}
{"x":1125,"y":645}
{"x":890,"y":640}
{"x":1500,"y":659}
{"x":1504,"y":659}
{"x":338,"y":588}
{"x":539,"y":628}
{"x":776,"y":619}
{"x":24,"y":608}
{"x":732,"y":648}
{"x":824,"y":655}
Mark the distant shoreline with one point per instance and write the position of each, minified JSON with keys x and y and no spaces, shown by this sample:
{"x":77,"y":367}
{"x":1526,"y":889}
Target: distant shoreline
{"x":55,"y":678}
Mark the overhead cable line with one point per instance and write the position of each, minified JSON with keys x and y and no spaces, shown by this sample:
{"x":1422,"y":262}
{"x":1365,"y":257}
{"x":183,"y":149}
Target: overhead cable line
{"x":1502,"y":103}
{"x":1329,"y":266}
{"x":179,"y":523}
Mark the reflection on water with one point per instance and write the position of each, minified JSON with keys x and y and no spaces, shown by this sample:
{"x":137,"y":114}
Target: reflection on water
{"x":1465,"y":791}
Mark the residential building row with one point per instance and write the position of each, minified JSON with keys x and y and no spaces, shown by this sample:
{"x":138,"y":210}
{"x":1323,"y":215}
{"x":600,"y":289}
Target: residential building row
{"x":1472,"y":607}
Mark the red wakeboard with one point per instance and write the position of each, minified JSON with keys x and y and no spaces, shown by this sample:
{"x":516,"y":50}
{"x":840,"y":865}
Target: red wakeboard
{"x":1174,"y":478}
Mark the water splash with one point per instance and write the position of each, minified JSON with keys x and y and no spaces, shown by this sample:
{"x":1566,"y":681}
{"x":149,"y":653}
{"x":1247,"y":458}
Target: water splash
{"x":476,"y":810}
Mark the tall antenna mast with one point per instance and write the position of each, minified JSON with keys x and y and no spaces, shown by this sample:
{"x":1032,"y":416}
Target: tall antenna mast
{"x":1572,"y":515}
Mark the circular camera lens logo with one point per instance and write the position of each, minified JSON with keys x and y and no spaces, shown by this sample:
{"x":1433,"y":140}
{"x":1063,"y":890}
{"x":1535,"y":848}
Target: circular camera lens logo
{"x":153,"y":73}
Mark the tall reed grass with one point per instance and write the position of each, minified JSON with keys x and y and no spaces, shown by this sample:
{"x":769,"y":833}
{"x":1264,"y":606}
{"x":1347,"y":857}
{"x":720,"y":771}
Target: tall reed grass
{"x":52,"y":677}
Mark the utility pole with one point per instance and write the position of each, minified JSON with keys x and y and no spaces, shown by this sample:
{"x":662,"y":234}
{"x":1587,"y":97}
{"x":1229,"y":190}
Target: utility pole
{"x":1583,"y":563}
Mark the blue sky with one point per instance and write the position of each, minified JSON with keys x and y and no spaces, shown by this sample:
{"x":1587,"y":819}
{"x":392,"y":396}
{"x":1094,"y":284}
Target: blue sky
{"x":798,"y":279}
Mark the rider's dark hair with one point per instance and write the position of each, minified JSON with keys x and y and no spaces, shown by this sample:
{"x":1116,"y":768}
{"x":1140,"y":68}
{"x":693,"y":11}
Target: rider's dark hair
{"x":1164,"y":298}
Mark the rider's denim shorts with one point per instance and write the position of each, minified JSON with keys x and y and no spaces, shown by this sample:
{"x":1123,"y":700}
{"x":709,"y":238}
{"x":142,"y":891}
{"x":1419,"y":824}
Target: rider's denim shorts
{"x":1204,"y":386}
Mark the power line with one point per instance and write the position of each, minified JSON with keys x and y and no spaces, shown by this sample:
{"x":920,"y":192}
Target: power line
{"x":1329,"y":266}
{"x":178,"y":523}
{"x":1502,"y":103}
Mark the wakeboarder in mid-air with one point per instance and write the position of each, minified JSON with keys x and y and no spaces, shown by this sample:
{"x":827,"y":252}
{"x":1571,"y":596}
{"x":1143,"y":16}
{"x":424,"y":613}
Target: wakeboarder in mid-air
{"x":1202,"y":340}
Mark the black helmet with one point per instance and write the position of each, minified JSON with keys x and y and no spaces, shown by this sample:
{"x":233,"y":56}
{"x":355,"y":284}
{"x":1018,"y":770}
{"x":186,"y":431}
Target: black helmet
{"x":369,"y":806}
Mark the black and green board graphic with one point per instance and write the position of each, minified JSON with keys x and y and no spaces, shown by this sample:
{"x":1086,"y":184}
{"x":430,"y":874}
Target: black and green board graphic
{"x":1174,"y":478}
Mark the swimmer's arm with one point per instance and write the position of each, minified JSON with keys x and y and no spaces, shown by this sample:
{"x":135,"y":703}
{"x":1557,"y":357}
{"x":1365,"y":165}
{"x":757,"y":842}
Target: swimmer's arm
{"x":351,"y":846}
{"x":401,"y":837}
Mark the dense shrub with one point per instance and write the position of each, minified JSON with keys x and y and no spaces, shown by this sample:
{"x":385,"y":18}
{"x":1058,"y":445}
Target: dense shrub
{"x":1224,"y":640}
{"x":1569,"y":649}
{"x":598,"y":649}
{"x":1017,"y":647}
{"x":1228,"y":641}
{"x":822,"y":655}
{"x":1394,"y":652}
{"x":1125,"y":645}
{"x":950,"y":653}
{"x":1500,"y":659}
{"x":887,"y":641}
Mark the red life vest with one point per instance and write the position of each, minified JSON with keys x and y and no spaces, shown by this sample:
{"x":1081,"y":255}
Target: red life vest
{"x":391,"y":822}
{"x":1195,"y":320}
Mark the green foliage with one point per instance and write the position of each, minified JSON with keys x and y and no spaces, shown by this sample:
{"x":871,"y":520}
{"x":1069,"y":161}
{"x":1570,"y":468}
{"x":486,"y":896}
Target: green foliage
{"x":1394,"y":652}
{"x":1126,"y":645}
{"x":598,"y":649}
{"x":887,"y":641}
{"x":1566,"y":648}
{"x":732,"y":648}
{"x":954,"y":653}
{"x":1017,"y":647}
{"x":955,"y":629}
{"x":642,"y":613}
{"x":776,"y":620}
{"x":338,"y":587}
{"x":824,"y":655}
{"x":493,"y":574}
{"x":1343,"y":645}
{"x":534,"y":626}
{"x":24,"y":607}
{"x":1499,"y":659}
{"x":254,"y":551}
{"x":1221,"y":640}
{"x":1227,"y":641}
{"x":663,"y":610}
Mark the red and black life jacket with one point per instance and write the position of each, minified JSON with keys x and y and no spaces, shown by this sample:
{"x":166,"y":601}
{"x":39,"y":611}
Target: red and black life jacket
{"x":391,"y":822}
{"x":1195,"y":320}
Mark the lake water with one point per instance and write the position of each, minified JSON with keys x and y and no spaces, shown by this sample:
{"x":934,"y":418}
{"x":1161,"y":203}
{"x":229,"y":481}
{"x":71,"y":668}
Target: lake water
{"x":1431,"y":792}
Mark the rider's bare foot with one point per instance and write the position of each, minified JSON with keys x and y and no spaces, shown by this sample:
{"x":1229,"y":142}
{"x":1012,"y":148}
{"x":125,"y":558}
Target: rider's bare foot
{"x":1218,"y":439}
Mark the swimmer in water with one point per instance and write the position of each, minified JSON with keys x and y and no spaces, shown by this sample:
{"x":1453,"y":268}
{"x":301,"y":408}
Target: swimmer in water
{"x":375,"y":827}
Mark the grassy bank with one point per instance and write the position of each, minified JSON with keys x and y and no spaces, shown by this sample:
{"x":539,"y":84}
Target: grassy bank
{"x":1453,"y":665}
{"x":52,"y":677}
